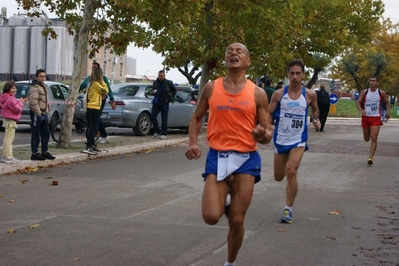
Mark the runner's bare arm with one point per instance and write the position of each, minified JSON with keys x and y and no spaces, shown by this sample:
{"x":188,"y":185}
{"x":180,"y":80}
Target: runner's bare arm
{"x":387,"y":103}
{"x":274,"y":101}
{"x":195,"y":125}
{"x":358,"y":103}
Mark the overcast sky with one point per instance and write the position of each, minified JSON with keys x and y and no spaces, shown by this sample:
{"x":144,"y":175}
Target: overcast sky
{"x":150,"y":63}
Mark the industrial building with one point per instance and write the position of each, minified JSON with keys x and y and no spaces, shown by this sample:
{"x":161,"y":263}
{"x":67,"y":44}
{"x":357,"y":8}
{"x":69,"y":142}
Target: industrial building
{"x":23,"y":50}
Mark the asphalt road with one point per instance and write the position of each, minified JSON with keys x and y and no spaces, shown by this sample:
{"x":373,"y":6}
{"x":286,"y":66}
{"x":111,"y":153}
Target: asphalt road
{"x":144,"y":209}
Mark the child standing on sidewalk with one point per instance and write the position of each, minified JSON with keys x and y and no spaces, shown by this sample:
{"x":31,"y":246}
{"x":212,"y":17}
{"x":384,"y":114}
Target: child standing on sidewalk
{"x":11,"y":110}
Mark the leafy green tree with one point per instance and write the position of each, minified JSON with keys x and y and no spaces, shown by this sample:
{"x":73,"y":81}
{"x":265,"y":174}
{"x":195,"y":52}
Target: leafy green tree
{"x":378,"y":57}
{"x":200,"y":30}
{"x":96,"y":24}
{"x":331,"y":27}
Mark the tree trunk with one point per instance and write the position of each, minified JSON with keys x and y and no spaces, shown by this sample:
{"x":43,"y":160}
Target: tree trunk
{"x":204,"y":77}
{"x":80,"y":53}
{"x":314,"y":78}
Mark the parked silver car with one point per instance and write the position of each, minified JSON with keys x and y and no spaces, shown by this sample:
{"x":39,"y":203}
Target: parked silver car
{"x":57,"y":93}
{"x":133,"y":109}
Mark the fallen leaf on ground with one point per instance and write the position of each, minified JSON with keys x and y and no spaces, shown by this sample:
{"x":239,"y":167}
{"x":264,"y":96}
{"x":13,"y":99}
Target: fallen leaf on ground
{"x":280,"y":230}
{"x":386,"y":236}
{"x":11,"y":201}
{"x":34,"y":226}
{"x":11,"y":231}
{"x":50,"y":177}
{"x":31,"y":169}
{"x":54,"y":183}
{"x":1,"y":195}
{"x":335,"y":212}
{"x":76,"y":259}
{"x":24,"y":181}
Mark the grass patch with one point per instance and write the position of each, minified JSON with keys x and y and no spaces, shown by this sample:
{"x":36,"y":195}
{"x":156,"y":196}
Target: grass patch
{"x":347,"y":108}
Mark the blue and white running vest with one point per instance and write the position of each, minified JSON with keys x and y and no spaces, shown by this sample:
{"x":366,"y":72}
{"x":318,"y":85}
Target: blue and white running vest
{"x":291,"y":127}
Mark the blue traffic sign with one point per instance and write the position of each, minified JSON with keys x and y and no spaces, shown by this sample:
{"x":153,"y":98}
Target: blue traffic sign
{"x":333,"y":98}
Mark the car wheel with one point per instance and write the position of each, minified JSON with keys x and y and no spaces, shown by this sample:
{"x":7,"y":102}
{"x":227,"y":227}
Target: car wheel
{"x":55,"y":131}
{"x":143,"y":125}
{"x":53,"y":121}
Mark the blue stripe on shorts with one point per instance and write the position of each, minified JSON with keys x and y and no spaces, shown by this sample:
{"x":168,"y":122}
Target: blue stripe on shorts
{"x":252,"y":166}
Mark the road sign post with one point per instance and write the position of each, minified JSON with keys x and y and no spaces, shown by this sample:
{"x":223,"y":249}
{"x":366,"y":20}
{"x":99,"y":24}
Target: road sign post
{"x":333,"y":101}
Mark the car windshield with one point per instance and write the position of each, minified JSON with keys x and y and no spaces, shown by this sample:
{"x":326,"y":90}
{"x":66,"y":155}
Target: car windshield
{"x":127,"y":90}
{"x":183,"y":94}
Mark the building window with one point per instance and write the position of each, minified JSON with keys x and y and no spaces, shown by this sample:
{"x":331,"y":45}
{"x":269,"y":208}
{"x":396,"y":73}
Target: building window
{"x":105,"y":68}
{"x":120,"y":70}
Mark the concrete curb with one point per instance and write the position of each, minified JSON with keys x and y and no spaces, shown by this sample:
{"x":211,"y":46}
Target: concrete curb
{"x":29,"y":166}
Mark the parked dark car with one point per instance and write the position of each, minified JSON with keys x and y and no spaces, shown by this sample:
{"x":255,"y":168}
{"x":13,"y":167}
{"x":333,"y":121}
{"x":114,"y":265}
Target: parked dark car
{"x":57,"y":93}
{"x":133,"y":108}
{"x":188,"y":94}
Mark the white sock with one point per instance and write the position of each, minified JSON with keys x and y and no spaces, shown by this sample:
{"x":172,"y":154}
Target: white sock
{"x":228,"y":199}
{"x":289,"y":208}
{"x":230,"y":263}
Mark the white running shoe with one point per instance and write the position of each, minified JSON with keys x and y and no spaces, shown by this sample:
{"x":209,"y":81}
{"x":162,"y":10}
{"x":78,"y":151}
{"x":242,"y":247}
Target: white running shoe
{"x":11,"y":160}
{"x":103,"y":140}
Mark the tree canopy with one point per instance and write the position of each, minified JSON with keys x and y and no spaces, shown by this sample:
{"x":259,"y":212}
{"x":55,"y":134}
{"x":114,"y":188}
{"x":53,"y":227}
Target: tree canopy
{"x":377,"y":57}
{"x":195,"y":33}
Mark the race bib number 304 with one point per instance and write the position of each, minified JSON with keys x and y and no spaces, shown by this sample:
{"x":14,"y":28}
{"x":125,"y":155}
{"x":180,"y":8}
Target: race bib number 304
{"x":293,"y":121}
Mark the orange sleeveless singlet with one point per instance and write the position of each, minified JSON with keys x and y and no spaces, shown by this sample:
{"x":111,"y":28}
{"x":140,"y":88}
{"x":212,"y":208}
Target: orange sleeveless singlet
{"x":232,"y":118}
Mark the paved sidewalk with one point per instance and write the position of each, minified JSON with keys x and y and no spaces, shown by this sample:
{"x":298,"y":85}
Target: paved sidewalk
{"x":122,"y":144}
{"x":116,"y":145}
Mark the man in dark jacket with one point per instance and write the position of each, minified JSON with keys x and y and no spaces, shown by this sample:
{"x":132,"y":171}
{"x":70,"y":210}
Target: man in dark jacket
{"x":269,"y":89}
{"x":164,"y":92}
{"x":323,"y":103}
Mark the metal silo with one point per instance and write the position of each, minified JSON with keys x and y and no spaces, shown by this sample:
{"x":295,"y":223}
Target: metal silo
{"x":21,"y":52}
{"x":37,"y":21}
{"x":37,"y":57}
{"x":6,"y":51}
{"x":54,"y":54}
{"x":68,"y":54}
{"x":17,"y":21}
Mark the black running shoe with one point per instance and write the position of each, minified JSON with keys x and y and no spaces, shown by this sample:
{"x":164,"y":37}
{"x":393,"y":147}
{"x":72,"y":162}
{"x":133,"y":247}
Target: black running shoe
{"x":37,"y":157}
{"x":95,"y":148}
{"x":48,"y":155}
{"x":89,"y":150}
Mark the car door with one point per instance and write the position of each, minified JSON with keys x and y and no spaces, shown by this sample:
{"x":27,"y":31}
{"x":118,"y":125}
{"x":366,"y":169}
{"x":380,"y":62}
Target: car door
{"x":179,"y":114}
{"x":56,"y":99}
